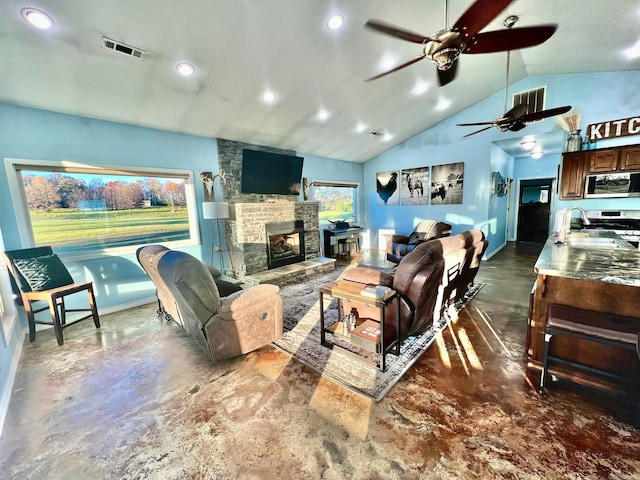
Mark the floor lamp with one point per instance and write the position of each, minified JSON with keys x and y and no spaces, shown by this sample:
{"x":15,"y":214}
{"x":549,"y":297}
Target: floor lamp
{"x":217,"y":211}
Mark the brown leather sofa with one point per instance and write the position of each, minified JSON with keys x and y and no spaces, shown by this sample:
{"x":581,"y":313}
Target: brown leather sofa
{"x":397,"y":245}
{"x":429,"y":279}
{"x":223,"y":327}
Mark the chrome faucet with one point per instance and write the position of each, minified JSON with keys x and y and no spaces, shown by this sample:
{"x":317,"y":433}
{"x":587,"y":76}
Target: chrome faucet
{"x":566,"y":221}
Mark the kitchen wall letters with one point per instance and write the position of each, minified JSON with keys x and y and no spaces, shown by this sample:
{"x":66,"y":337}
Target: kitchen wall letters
{"x":613,"y":129}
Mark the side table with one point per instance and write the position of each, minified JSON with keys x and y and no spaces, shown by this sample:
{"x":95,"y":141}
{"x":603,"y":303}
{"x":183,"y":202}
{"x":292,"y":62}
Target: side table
{"x":347,"y":290}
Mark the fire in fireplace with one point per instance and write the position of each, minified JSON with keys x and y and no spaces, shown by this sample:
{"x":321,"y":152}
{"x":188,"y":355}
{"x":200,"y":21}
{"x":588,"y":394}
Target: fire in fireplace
{"x":285,"y":243}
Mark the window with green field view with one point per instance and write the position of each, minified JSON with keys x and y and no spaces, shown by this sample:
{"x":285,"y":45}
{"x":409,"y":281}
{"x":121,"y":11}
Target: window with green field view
{"x":338,"y":201}
{"x":79,"y":211}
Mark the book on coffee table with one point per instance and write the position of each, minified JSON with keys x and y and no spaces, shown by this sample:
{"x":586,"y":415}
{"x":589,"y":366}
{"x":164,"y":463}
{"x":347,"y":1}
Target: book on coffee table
{"x":375,"y":291}
{"x":367,"y":335}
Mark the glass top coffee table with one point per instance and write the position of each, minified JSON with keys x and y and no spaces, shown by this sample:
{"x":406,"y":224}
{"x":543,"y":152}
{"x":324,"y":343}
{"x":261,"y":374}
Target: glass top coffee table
{"x":368,"y":334}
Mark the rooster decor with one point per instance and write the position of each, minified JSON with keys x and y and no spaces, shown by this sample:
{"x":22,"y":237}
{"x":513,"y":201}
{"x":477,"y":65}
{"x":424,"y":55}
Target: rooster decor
{"x":386,"y":191}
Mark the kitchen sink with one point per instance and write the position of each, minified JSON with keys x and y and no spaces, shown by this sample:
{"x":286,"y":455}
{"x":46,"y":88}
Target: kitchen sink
{"x":595,"y":242}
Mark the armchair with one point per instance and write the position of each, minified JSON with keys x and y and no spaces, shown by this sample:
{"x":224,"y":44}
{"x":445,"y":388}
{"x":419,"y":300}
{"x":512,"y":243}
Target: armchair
{"x":400,"y":245}
{"x":40,"y":276}
{"x":223,"y":327}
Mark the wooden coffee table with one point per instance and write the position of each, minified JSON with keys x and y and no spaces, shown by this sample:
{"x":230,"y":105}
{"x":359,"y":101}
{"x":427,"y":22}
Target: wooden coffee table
{"x":346,"y":290}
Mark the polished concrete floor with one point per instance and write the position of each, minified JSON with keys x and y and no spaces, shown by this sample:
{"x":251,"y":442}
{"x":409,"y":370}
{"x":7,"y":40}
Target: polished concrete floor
{"x":136,"y":400}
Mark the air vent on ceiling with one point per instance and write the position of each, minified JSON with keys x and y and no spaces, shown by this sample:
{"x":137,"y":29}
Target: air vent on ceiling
{"x":534,"y":99}
{"x":122,"y":48}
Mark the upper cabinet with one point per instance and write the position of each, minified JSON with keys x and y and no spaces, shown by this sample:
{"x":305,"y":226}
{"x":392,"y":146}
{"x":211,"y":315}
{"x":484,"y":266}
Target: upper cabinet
{"x":614,"y":159}
{"x":577,"y":165}
{"x":573,"y":172}
{"x":603,"y":160}
{"x":630,"y":158}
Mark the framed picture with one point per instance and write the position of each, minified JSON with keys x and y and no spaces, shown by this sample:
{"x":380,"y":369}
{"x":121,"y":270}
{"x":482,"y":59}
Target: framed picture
{"x":447,"y":183}
{"x":387,"y":188}
{"x":414,"y":189}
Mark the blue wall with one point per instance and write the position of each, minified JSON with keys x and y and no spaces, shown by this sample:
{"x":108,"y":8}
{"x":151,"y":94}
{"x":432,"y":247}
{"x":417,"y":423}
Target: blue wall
{"x":600,"y":97}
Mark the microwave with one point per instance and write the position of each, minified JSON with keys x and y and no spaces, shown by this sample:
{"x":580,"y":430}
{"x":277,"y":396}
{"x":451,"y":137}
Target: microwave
{"x":608,"y":185}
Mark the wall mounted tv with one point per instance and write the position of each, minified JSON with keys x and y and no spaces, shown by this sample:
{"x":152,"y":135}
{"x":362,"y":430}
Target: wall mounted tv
{"x":270,"y":173}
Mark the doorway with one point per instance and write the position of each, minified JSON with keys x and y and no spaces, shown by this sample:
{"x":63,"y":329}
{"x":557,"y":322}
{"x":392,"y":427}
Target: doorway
{"x":534,"y":209}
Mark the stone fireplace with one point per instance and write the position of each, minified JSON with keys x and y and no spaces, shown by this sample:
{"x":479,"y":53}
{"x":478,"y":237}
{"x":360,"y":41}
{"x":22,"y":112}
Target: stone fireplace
{"x":269,"y":235}
{"x":285,"y":243}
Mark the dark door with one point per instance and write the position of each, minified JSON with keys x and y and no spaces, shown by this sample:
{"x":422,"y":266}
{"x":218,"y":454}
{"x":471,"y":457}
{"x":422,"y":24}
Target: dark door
{"x":533,"y":210}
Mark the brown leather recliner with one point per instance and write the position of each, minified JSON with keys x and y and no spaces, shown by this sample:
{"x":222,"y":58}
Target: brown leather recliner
{"x":397,"y":245}
{"x":223,"y":327}
{"x":429,"y":279}
{"x":476,"y":245}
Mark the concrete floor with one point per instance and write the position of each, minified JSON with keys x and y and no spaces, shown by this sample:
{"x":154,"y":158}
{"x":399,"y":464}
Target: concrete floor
{"x":137,"y":400}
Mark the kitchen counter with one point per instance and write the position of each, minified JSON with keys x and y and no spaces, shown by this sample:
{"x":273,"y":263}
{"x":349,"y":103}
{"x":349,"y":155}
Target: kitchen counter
{"x":579,"y":274}
{"x":611,"y":265}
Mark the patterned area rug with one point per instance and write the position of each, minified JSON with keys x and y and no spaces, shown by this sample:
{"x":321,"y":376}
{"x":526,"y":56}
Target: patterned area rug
{"x":351,"y":366}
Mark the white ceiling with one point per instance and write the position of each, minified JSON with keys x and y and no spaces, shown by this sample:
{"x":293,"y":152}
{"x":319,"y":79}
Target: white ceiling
{"x":242,"y":47}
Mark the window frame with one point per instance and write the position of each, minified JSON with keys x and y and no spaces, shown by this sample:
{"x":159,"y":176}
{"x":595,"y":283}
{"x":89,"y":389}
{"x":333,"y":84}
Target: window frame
{"x":14,"y":167}
{"x":332,"y":183}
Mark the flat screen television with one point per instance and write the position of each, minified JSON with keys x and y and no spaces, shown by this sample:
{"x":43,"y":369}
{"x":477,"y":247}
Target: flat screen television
{"x":270,"y":173}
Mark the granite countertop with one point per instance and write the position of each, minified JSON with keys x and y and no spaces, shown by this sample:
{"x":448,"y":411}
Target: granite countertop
{"x":611,"y":265}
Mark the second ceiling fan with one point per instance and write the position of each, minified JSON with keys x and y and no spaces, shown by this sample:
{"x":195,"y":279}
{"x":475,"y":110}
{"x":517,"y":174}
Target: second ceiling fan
{"x":518,"y":117}
{"x":445,"y":47}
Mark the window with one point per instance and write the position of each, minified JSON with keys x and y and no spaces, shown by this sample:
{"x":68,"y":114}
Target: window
{"x":79,"y":208}
{"x":338,"y":201}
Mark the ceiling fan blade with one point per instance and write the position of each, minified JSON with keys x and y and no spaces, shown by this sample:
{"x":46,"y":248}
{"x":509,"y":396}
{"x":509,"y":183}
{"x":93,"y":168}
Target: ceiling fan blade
{"x":397,"y":32}
{"x":474,"y":124}
{"x":479,"y":15}
{"x":447,"y":76}
{"x":478,"y":131}
{"x":399,"y":67}
{"x":512,"y":39}
{"x":552,"y":112}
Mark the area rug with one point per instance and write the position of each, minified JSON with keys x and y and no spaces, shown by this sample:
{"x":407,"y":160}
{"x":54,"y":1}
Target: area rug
{"x":351,"y":366}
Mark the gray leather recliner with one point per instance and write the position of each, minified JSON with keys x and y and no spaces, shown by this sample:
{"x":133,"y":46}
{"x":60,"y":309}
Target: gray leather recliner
{"x":223,"y":327}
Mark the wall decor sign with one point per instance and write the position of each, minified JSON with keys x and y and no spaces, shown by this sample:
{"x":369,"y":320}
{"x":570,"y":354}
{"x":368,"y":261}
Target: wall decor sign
{"x":613,"y":129}
{"x":446,"y":184}
{"x":414,"y":188}
{"x":387,"y":188}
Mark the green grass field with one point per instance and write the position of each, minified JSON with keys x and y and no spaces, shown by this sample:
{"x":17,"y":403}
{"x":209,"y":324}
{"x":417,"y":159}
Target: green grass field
{"x":71,"y":228}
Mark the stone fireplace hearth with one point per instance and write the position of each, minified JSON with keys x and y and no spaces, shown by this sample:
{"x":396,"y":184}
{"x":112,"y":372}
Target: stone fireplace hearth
{"x":249,"y":241}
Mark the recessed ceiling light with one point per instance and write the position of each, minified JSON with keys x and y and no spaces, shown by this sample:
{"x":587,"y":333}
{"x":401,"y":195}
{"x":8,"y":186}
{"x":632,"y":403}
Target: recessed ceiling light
{"x":633,"y":52}
{"x":360,"y":127}
{"x":443,"y":104}
{"x":420,"y":88}
{"x":536,"y":155}
{"x":386,"y":137}
{"x":37,"y":18}
{"x":388,"y":62}
{"x":185,"y":69}
{"x":269,"y":96}
{"x":528,"y":144}
{"x":335,"y":22}
{"x":323,"y":115}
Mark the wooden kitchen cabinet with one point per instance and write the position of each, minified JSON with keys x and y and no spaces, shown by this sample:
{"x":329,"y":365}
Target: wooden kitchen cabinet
{"x":603,"y":160}
{"x":573,"y":173}
{"x":614,"y":159}
{"x":630,"y":158}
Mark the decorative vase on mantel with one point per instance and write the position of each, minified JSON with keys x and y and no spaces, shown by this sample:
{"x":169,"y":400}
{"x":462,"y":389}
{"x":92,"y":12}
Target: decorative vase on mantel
{"x":574,"y":141}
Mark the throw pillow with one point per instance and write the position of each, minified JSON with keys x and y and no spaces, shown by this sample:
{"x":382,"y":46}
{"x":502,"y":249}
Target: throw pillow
{"x":416,"y":237}
{"x":44,"y":273}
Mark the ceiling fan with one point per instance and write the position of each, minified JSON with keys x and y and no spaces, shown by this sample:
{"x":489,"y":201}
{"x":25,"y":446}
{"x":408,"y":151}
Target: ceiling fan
{"x":516,"y":118}
{"x":445,"y":47}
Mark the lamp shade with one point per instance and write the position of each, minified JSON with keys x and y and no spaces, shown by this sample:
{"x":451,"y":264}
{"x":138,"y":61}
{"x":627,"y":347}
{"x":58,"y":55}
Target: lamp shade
{"x":215,"y":210}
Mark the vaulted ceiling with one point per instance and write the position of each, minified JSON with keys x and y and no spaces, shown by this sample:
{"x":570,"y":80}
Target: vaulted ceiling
{"x":242,"y":48}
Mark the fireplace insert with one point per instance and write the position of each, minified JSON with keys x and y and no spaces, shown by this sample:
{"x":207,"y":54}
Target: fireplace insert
{"x":285,"y":243}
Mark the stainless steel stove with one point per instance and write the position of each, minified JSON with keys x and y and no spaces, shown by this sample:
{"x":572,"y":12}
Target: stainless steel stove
{"x":625,"y":223}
